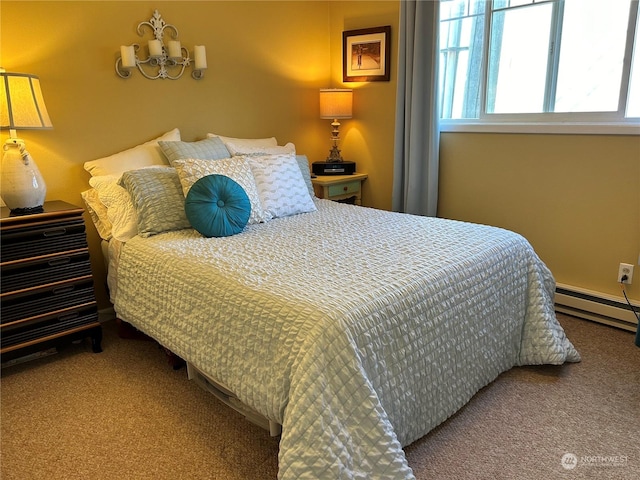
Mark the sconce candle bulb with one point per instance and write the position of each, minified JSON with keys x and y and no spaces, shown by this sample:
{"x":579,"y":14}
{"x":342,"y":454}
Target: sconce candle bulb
{"x":128,"y":55}
{"x":164,"y":59}
{"x":175,"y":49}
{"x":201,"y":57}
{"x":155,"y":48}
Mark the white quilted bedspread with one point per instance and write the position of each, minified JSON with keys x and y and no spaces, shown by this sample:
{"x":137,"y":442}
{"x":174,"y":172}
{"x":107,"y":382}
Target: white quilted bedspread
{"x":358,"y":330}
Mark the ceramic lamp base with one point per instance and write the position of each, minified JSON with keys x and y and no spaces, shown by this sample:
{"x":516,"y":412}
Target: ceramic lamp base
{"x":22,"y":186}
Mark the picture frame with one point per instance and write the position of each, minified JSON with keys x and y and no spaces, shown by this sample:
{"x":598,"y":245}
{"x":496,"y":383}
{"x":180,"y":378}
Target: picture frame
{"x":365,"y":54}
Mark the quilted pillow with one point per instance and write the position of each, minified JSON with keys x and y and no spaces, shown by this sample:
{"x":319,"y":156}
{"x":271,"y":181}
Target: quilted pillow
{"x":217,"y":206}
{"x":281,"y":187}
{"x":207,"y":149}
{"x":253,"y":150}
{"x":157,"y":198}
{"x":144,"y":155}
{"x":234,"y":145}
{"x":120,"y":211}
{"x":303,"y":163}
{"x":237,"y":168}
{"x":98,"y":213}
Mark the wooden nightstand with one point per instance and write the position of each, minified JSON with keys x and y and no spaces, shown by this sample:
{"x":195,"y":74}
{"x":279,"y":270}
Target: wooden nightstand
{"x":339,"y":187}
{"x":47,"y":285}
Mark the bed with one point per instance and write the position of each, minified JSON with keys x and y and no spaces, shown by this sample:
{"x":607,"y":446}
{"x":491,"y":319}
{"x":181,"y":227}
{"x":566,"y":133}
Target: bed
{"x":355,"y":330}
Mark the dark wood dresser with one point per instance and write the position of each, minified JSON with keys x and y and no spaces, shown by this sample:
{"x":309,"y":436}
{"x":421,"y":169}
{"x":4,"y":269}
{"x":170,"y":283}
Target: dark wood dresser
{"x":47,"y":294}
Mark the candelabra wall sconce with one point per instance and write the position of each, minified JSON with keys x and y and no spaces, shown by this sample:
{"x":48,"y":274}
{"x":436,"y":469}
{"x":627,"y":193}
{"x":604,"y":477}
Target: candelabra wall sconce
{"x":163,"y":61}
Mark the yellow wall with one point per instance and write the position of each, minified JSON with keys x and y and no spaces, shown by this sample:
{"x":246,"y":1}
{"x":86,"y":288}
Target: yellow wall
{"x":368,"y":137}
{"x":266,"y":63}
{"x":576,"y":198}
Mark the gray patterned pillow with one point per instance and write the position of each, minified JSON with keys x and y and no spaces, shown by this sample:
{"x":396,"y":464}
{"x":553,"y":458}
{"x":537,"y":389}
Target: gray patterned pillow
{"x":281,"y":186}
{"x":207,"y":149}
{"x":157,"y":198}
{"x":303,"y":163}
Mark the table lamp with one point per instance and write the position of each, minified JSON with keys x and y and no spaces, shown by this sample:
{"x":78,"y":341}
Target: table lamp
{"x":335,"y":104}
{"x":21,"y":107}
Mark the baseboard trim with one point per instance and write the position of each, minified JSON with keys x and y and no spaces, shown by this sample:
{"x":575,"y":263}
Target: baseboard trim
{"x":596,"y":306}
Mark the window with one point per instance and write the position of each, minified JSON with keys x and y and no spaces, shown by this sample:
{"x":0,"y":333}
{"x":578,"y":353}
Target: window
{"x":532,"y":61}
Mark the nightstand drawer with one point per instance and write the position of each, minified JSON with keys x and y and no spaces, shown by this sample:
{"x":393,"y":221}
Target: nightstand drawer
{"x":42,"y":238}
{"x":51,"y":297}
{"x":49,"y":325}
{"x":43,"y":270}
{"x":344,"y":188}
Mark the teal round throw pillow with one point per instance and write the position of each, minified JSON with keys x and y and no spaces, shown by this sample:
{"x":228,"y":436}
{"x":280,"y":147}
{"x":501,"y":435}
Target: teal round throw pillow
{"x":217,"y":206}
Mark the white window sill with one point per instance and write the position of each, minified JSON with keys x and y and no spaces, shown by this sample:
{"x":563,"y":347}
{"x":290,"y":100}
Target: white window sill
{"x":562,"y":128}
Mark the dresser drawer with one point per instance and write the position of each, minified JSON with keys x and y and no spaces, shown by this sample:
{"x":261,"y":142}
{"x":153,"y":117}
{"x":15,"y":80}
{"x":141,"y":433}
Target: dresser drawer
{"x":40,"y":300}
{"x":48,"y":326}
{"x":344,"y":188}
{"x":44,"y":270}
{"x":42,"y":239}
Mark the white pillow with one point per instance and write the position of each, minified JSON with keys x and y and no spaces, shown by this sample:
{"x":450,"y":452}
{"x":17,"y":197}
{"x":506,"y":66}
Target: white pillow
{"x":97,"y":212}
{"x":237,"y":168}
{"x":234,"y":145}
{"x":120,"y":211}
{"x":141,"y":156}
{"x":281,"y":187}
{"x":277,"y":150}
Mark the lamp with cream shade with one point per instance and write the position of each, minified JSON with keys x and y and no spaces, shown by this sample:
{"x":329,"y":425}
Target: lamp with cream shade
{"x":335,"y":104}
{"x":21,"y":108}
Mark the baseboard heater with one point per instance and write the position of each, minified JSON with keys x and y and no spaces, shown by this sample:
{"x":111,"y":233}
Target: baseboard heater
{"x":596,"y":306}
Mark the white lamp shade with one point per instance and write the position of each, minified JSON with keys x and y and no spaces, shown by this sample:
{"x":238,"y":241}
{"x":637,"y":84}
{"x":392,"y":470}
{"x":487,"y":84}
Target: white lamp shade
{"x":21,"y":102}
{"x":336,"y":103}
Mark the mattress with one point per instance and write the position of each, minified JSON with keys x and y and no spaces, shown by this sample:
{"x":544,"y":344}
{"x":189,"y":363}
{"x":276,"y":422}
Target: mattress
{"x":358,"y":330}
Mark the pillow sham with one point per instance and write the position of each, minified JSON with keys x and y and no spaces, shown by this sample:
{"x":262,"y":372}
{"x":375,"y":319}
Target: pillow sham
{"x":233,"y":144}
{"x":120,"y":211}
{"x":143,"y":155}
{"x":303,"y":163}
{"x":250,"y":150}
{"x":217,"y":206}
{"x":157,"y":198}
{"x":237,"y":168}
{"x":281,"y":187}
{"x":207,"y":149}
{"x":98,"y":213}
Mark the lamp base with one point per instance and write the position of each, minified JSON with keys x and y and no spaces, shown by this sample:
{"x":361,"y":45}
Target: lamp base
{"x":26,"y":211}
{"x":333,"y":168}
{"x":22,"y":187}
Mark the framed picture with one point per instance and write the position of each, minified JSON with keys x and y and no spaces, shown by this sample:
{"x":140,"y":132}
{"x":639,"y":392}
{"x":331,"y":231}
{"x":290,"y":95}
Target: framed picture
{"x":365,"y":54}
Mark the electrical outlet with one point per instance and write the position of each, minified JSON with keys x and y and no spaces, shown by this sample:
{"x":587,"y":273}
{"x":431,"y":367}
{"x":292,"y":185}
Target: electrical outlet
{"x":625,"y":269}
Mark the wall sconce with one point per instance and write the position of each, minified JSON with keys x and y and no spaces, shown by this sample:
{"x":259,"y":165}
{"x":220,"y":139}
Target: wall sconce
{"x":21,"y":107}
{"x":161,"y":58}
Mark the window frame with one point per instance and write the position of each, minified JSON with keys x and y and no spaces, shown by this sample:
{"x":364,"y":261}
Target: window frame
{"x":614,"y":123}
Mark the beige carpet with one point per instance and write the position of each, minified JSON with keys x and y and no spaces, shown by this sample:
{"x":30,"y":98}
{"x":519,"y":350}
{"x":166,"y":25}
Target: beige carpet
{"x":125,"y":414}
